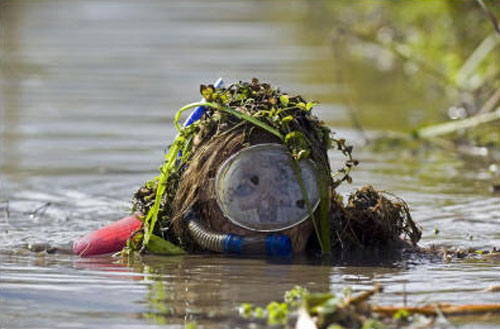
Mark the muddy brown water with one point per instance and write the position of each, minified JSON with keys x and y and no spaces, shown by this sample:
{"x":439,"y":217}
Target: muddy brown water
{"x":88,"y":93}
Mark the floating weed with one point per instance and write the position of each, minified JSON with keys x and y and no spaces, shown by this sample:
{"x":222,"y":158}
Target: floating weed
{"x":295,"y":296}
{"x":277,"y":313}
{"x":402,"y":315}
{"x":259,"y":313}
{"x":331,"y":311}
{"x":245,"y":310}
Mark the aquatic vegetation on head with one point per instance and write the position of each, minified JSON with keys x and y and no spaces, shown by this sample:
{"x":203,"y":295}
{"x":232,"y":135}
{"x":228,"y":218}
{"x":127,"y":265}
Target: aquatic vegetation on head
{"x":378,"y":217}
{"x":235,"y":118}
{"x":242,"y":114}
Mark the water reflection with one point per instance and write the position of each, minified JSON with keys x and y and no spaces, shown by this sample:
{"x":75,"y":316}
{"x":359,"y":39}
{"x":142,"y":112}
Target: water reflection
{"x":184,"y":289}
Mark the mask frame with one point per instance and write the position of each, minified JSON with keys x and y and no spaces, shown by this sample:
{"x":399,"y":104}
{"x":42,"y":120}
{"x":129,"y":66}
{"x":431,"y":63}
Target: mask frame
{"x":274,"y":161}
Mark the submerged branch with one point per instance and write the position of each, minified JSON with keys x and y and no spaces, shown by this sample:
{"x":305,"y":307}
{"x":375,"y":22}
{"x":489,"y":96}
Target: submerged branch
{"x":453,"y":126}
{"x":364,"y":296}
{"x":437,"y":309}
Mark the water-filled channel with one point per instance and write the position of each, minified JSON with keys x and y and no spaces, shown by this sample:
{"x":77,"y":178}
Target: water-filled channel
{"x":88,"y":94}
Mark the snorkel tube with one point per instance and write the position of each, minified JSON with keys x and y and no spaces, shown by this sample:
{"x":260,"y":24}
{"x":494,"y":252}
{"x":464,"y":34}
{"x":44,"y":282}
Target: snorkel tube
{"x":270,"y":245}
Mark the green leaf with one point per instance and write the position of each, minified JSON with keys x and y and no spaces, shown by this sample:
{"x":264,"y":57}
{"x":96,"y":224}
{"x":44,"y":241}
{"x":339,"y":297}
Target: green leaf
{"x":294,"y":135}
{"x":259,"y":313}
{"x":252,"y":120}
{"x":160,"y":246}
{"x":303,"y":154}
{"x":284,"y":100}
{"x":402,"y":314}
{"x":310,"y":105}
{"x":245,"y":310}
{"x":295,"y":296}
{"x":277,"y":313}
{"x":166,"y":169}
{"x":207,"y":92}
{"x":287,"y":119}
{"x":298,"y":175}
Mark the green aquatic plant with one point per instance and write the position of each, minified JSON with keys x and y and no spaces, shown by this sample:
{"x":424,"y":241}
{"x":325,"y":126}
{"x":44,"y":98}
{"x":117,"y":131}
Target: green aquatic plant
{"x":276,"y":312}
{"x":329,"y":310}
{"x":249,"y":113}
{"x":295,"y":296}
{"x":402,"y":314}
{"x":244,"y":107}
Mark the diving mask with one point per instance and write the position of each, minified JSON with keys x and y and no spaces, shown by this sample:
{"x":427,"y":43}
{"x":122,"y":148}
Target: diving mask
{"x":257,"y":189}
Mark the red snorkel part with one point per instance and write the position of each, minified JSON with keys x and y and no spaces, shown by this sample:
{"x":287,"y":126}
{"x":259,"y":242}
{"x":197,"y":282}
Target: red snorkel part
{"x":109,"y":239}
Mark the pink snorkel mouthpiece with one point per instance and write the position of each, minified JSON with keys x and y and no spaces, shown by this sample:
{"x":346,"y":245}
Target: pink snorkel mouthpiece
{"x":107,"y":240}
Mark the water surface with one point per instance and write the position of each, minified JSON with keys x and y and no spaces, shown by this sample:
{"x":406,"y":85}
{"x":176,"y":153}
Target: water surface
{"x":88,"y":94}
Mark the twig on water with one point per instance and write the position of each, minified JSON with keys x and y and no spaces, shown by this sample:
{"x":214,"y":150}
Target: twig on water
{"x":364,"y":296}
{"x":6,"y":209}
{"x":41,"y":210}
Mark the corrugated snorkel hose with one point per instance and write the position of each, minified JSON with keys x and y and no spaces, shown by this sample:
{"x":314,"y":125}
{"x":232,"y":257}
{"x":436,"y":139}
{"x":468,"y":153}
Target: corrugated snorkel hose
{"x":270,"y":245}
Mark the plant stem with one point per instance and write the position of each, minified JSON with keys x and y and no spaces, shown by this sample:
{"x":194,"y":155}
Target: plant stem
{"x":453,"y":126}
{"x":300,"y":180}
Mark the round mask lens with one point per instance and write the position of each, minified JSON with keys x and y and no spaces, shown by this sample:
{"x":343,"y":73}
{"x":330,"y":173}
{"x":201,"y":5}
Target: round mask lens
{"x":257,"y":189}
